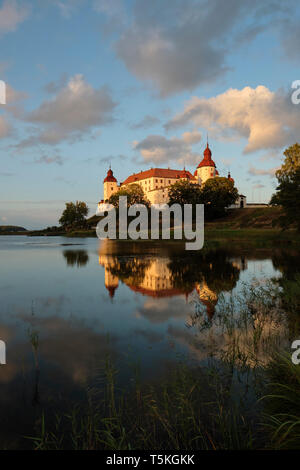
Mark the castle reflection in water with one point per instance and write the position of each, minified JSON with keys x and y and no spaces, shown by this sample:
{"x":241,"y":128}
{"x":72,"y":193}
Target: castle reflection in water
{"x":155,"y":274}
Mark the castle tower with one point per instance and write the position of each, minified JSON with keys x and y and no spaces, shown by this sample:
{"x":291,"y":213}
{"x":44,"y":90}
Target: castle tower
{"x":110,"y":185}
{"x":206,"y":168}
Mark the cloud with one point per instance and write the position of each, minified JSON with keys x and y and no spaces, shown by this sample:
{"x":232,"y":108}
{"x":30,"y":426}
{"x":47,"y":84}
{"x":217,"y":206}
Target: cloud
{"x":181,"y":45}
{"x":146,"y":122}
{"x":50,"y":159}
{"x":13,"y":96}
{"x":56,"y":85}
{"x":11,"y":15}
{"x":159,"y":149}
{"x":115,"y":14}
{"x":109,"y":158}
{"x":191,"y":137}
{"x":266,"y":119}
{"x":68,"y":7}
{"x":4,"y":128}
{"x":76,"y":109}
{"x":259,"y":172}
{"x":290,"y":39}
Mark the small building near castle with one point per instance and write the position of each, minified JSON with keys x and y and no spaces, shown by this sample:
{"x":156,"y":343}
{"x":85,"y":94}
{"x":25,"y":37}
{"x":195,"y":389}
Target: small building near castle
{"x":155,"y":182}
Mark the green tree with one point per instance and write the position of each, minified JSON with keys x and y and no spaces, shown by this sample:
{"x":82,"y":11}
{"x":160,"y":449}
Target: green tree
{"x":217,"y":194}
{"x":74,"y":214}
{"x":134,"y":193}
{"x":184,"y":192}
{"x":288,"y":190}
{"x":291,"y":162}
{"x":288,"y":196}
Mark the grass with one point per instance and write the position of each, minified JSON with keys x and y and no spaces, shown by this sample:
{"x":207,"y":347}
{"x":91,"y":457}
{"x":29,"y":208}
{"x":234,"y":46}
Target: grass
{"x":282,"y":403}
{"x":255,"y":234}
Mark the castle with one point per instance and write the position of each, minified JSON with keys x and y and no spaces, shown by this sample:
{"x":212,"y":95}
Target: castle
{"x":156,"y":181}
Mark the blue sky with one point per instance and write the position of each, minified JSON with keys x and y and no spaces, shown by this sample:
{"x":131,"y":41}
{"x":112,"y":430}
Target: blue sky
{"x":139,"y":84}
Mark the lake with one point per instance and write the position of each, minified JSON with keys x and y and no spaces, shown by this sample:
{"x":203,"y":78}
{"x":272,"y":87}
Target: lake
{"x":68,"y":304}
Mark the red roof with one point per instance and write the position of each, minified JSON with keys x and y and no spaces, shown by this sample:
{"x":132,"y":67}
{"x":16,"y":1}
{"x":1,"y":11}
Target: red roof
{"x":207,"y":161}
{"x":158,"y":173}
{"x":110,"y":177}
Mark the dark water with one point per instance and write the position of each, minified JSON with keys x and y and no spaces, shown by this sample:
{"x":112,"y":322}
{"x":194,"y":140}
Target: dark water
{"x":79,"y":300}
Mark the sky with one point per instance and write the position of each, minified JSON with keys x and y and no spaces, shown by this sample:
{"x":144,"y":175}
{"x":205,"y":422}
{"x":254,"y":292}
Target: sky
{"x":140,"y":84}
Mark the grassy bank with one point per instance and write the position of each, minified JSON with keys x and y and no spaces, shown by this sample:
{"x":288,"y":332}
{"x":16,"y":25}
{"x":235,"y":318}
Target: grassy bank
{"x":239,"y":224}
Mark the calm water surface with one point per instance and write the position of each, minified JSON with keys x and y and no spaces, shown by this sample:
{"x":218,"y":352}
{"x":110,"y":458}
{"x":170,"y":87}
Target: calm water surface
{"x":82,"y":299}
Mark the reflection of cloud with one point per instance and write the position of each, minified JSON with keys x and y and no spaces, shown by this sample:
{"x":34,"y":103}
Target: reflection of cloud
{"x":164,"y":309}
{"x":225,"y":336}
{"x":69,"y":347}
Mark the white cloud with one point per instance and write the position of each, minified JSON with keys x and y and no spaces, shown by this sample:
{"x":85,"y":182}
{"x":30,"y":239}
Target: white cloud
{"x":260,"y":172}
{"x":159,"y":149}
{"x":192,"y":137}
{"x":76,"y":109}
{"x":11,"y":15}
{"x":266,"y":119}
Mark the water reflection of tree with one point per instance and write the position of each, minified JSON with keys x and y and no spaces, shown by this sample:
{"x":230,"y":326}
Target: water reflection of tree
{"x":213,"y":267}
{"x":76,"y":257}
{"x":131,"y":270}
{"x":288,"y":263}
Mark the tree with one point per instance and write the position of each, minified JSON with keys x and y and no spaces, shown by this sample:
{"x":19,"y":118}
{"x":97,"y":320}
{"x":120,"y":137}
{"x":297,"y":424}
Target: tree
{"x":288,"y":190}
{"x":291,"y":162}
{"x":217,"y":194}
{"x":288,"y":196}
{"x":74,"y":214}
{"x":184,"y":192}
{"x":134,"y":194}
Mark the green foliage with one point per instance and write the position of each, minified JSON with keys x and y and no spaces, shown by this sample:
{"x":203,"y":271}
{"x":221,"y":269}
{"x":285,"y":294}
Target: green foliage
{"x":291,"y":161}
{"x":282,"y":403}
{"x":184,"y":192}
{"x":134,"y":194}
{"x":288,"y":196}
{"x":74,"y":214}
{"x":217,"y":194}
{"x":288,"y":190}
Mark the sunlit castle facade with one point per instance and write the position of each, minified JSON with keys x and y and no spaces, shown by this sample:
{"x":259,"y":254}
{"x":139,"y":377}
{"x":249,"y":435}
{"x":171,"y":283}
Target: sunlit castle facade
{"x":157,"y":181}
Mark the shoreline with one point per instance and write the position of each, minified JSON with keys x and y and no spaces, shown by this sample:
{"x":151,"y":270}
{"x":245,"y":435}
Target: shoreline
{"x":226,"y":234}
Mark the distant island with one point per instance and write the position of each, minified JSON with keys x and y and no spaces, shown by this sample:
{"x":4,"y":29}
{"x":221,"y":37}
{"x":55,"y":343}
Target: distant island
{"x":10,"y":229}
